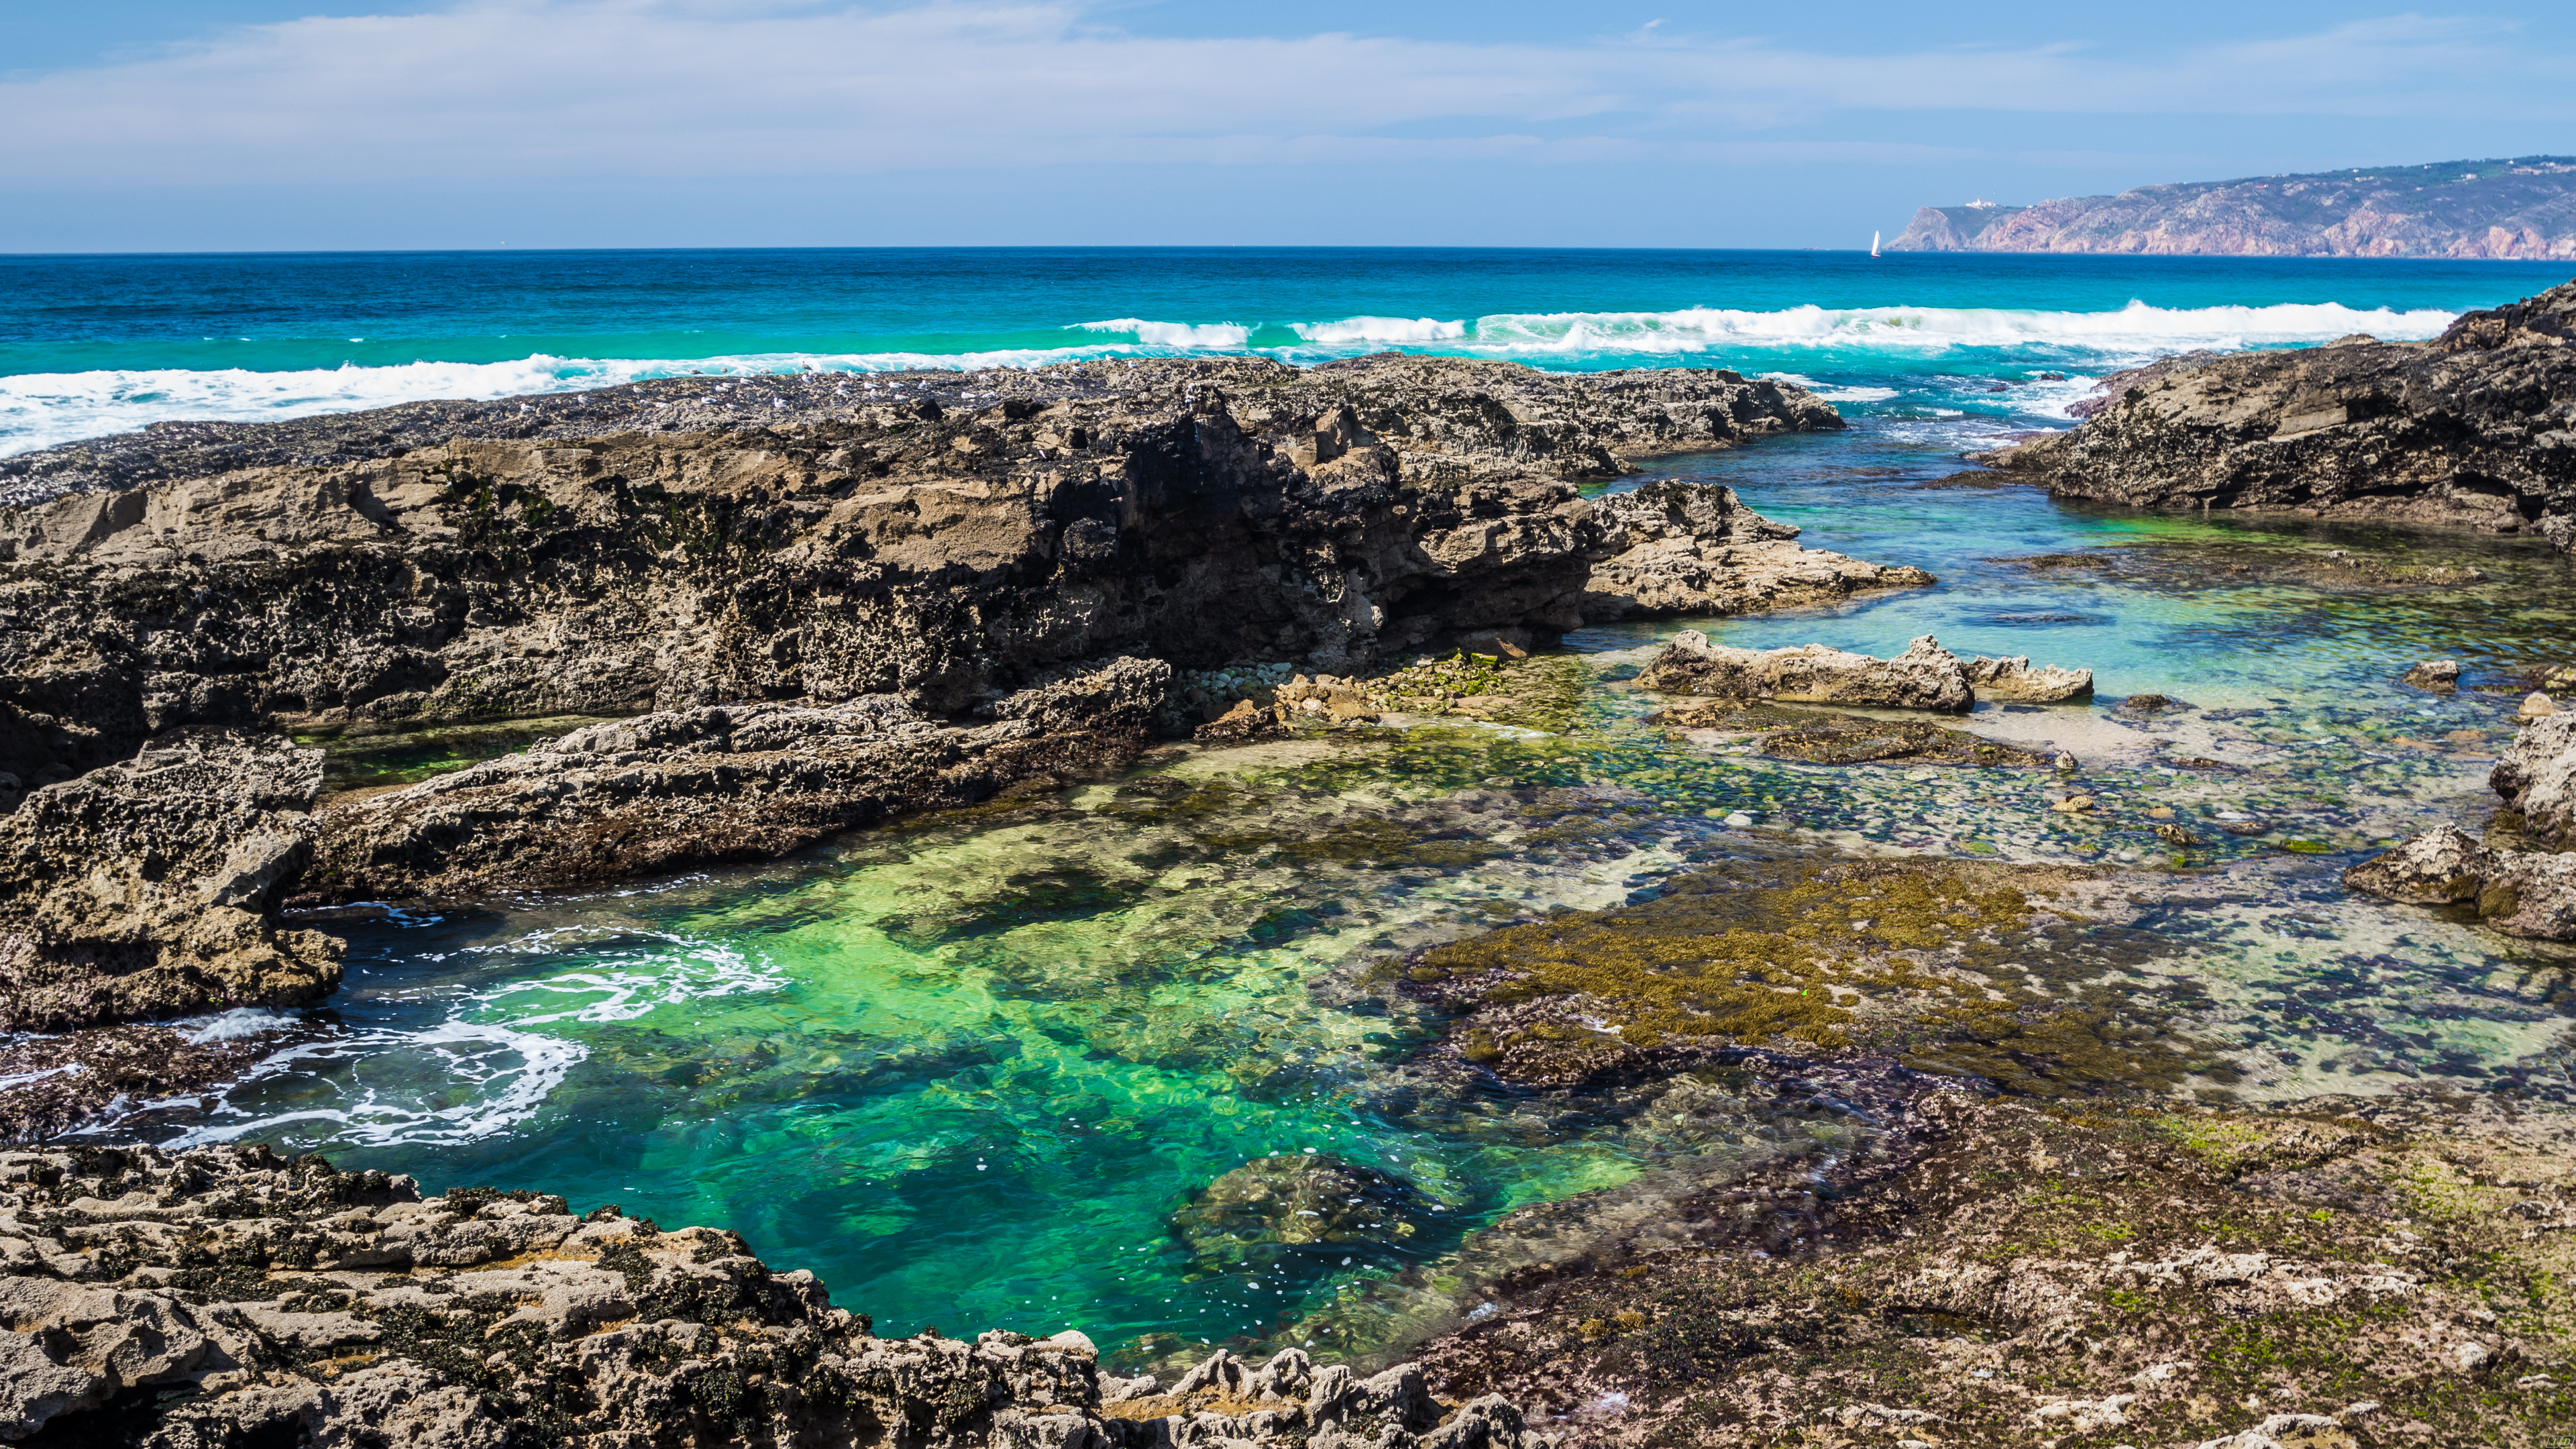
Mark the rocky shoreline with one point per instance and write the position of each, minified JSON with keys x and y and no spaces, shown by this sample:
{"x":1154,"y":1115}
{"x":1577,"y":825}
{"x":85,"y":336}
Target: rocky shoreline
{"x":2476,"y":429}
{"x":810,"y":605}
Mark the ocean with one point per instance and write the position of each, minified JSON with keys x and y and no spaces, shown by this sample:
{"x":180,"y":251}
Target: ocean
{"x":101,"y":344}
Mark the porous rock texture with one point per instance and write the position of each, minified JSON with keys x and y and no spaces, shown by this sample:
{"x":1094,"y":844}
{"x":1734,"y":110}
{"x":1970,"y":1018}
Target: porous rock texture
{"x":2016,"y":680}
{"x":692,"y":787}
{"x":225,"y":1296}
{"x":2537,"y":773}
{"x":1925,"y":676}
{"x":1689,"y":548}
{"x":2476,"y":429}
{"x":697,"y":541}
{"x":2520,"y":892}
{"x":142,"y":889}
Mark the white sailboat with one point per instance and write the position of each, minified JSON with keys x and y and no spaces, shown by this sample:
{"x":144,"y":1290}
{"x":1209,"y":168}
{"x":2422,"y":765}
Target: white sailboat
{"x":1873,"y":243}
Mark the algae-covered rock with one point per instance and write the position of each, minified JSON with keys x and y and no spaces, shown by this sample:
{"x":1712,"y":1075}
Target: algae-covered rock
{"x":1953,"y":966}
{"x":1256,"y":1215}
{"x":1837,"y":739}
{"x":1925,"y":676}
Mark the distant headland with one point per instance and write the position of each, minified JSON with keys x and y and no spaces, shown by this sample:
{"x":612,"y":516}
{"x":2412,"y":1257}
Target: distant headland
{"x":2521,"y":208}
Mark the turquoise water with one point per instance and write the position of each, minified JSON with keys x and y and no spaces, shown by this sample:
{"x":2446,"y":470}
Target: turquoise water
{"x":973,"y":1070}
{"x":92,"y":345}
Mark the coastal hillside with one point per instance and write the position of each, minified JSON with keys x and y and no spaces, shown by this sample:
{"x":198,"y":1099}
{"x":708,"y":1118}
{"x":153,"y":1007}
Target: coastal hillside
{"x":2512,"y":209}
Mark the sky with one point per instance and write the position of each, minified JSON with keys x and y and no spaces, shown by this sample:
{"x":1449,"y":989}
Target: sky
{"x":147,"y":125}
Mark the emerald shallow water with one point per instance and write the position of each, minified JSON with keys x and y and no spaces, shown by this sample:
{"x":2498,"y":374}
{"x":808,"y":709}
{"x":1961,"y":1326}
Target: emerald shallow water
{"x":968,"y":1069}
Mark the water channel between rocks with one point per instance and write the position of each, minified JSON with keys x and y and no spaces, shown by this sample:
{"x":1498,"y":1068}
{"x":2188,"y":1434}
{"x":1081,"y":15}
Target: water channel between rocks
{"x":983,"y":1070}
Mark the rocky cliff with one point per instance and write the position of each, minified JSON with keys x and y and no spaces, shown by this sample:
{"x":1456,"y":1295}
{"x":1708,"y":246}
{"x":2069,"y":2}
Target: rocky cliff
{"x":705,"y":541}
{"x":2476,"y":429}
{"x":2518,"y":208}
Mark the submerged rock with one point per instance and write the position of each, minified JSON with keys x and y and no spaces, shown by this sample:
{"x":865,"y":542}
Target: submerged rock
{"x":1260,"y":1212}
{"x":685,"y":788}
{"x":2472,"y":429}
{"x":227,"y":1296}
{"x":1838,"y":739}
{"x":2438,"y":674}
{"x":1925,"y":676}
{"x":142,"y":890}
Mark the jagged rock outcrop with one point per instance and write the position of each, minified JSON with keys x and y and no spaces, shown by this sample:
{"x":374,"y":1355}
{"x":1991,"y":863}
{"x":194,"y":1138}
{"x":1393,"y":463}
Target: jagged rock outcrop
{"x":1925,"y":676}
{"x":2528,"y":893}
{"x":1694,"y":548}
{"x":2016,"y":680}
{"x":693,"y":787}
{"x":2522,"y":207}
{"x":703,"y":541}
{"x":227,"y":1296}
{"x":2476,"y":429}
{"x":2537,"y":773}
{"x":141,"y":890}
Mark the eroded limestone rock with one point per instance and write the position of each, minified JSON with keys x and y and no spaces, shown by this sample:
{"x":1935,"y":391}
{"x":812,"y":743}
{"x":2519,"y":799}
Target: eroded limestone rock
{"x":2537,"y":773}
{"x":693,"y":787}
{"x":1925,"y":676}
{"x":2016,"y":680}
{"x":141,"y":890}
{"x":227,"y":1296}
{"x":1693,"y":548}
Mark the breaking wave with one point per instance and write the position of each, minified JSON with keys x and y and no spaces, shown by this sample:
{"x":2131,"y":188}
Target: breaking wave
{"x":41,"y":409}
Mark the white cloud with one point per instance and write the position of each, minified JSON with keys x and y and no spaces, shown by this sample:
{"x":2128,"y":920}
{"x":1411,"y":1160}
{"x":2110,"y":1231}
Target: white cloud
{"x":532,"y":89}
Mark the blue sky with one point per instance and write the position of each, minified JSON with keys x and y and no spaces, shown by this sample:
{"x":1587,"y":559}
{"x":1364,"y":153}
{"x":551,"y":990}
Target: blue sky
{"x":225,"y":124}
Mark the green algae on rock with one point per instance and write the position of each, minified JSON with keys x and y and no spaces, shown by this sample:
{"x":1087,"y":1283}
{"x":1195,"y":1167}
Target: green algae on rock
{"x":1939,"y":963}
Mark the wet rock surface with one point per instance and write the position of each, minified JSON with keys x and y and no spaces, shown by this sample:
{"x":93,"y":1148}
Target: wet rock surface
{"x":142,"y":890}
{"x":699,"y":541}
{"x":682,"y":788}
{"x":227,"y":1296}
{"x":2475,"y":429}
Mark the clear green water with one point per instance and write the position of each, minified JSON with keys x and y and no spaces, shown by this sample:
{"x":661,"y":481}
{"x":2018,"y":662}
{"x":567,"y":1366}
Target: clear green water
{"x":967,"y":1070}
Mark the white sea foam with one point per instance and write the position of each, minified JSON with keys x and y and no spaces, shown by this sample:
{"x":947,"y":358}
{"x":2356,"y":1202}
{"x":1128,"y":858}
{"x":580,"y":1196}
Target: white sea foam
{"x":1380,"y":330}
{"x":1194,"y":336}
{"x":460,"y":1081}
{"x":41,"y":409}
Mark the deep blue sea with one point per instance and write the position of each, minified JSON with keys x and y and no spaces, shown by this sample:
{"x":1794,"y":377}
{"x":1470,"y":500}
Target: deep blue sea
{"x":100,"y":344}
